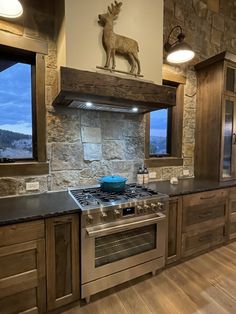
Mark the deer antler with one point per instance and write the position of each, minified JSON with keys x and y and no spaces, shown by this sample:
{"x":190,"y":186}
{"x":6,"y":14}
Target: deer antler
{"x":114,"y":10}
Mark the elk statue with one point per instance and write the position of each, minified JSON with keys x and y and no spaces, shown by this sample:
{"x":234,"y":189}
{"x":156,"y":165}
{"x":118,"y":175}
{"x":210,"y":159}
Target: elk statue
{"x":117,"y":44}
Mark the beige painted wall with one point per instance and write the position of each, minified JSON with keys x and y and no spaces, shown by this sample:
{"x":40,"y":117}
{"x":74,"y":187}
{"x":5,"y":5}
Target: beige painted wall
{"x":141,"y":20}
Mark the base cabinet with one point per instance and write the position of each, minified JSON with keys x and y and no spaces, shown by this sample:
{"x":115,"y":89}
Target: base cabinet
{"x":202,"y":240}
{"x":62,"y":247}
{"x":205,"y":220}
{"x":173,"y":253}
{"x":232,"y":214}
{"x":22,"y":268}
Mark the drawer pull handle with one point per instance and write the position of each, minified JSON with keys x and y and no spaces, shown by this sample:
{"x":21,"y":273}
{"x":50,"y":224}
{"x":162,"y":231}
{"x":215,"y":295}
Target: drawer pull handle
{"x":205,"y":215}
{"x":205,"y":238}
{"x":207,"y":197}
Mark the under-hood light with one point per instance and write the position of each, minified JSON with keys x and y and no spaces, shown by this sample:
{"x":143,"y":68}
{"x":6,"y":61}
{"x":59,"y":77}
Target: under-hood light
{"x":89,"y":104}
{"x":135,"y":109}
{"x":10,"y":8}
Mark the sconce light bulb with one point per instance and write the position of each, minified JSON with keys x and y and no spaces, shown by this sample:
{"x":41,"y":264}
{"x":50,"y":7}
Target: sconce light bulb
{"x":180,"y":56}
{"x":10,"y":8}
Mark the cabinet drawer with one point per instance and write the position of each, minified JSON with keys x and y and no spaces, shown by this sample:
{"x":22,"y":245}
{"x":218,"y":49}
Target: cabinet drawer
{"x":25,"y":301}
{"x":196,"y":214}
{"x":197,"y":242}
{"x":22,"y":232}
{"x":209,"y":197}
{"x":22,"y":276}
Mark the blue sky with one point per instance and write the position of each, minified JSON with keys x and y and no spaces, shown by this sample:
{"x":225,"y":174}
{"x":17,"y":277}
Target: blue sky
{"x":158,"y":122}
{"x":15,"y":99}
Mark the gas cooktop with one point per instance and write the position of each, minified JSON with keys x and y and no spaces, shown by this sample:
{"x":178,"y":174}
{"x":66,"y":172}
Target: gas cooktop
{"x":95,"y":198}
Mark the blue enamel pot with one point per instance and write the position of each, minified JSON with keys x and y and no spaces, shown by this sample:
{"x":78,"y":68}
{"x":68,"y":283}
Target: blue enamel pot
{"x":112,"y":183}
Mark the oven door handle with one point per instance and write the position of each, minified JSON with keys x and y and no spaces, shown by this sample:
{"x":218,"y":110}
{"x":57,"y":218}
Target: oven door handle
{"x":106,"y":229}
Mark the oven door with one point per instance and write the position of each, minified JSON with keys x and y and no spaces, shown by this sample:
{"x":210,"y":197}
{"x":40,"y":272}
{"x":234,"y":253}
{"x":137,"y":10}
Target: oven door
{"x":116,"y":246}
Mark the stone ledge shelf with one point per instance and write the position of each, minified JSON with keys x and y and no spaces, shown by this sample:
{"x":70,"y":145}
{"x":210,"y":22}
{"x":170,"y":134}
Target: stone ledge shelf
{"x":111,"y":93}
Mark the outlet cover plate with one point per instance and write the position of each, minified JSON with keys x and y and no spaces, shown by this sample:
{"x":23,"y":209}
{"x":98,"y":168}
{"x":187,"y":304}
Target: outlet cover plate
{"x":32,"y":186}
{"x":152,"y":175}
{"x":186,"y":172}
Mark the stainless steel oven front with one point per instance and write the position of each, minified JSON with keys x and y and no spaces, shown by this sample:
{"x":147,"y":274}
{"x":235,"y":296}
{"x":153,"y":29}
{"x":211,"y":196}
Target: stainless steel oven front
{"x":116,"y":251}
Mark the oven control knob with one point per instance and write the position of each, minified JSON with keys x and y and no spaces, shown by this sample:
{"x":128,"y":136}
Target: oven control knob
{"x":154,"y":207}
{"x":146,"y":208}
{"x":90,"y":219}
{"x":160,"y":206}
{"x":139,"y":209}
{"x":117,"y":213}
{"x":103,"y":215}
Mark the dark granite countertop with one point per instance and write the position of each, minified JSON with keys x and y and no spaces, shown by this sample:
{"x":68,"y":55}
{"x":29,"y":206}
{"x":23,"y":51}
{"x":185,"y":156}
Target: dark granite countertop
{"x":189,"y":186}
{"x":32,"y":207}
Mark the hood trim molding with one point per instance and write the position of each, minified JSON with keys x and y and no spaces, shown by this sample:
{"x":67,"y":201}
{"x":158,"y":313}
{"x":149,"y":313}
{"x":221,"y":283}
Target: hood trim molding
{"x":104,"y":89}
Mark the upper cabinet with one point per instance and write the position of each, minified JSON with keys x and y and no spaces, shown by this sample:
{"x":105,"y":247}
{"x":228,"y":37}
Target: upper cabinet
{"x":230,"y":81}
{"x":215,"y":147}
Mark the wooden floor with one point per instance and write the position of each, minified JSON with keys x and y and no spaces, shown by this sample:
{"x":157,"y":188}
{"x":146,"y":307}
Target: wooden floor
{"x":205,"y":284}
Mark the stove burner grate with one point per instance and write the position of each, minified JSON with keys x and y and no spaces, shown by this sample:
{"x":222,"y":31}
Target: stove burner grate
{"x":95,"y":196}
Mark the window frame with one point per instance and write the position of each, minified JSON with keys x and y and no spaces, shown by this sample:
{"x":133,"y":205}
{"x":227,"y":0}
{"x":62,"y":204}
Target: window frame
{"x":30,"y":60}
{"x":175,"y":158}
{"x":16,"y":45}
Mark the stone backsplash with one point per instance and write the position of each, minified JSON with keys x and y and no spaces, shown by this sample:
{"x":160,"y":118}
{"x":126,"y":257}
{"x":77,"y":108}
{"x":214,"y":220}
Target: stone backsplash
{"x":100,"y":143}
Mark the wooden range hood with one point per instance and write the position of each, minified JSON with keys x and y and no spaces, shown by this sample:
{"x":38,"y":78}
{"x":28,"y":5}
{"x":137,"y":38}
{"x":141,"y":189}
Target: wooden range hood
{"x":111,"y":93}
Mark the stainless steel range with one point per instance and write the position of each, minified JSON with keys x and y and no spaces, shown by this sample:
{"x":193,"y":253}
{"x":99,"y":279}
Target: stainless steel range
{"x":123,"y":235}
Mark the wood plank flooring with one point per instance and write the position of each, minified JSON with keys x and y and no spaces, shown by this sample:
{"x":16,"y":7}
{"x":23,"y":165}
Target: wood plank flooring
{"x":205,"y":284}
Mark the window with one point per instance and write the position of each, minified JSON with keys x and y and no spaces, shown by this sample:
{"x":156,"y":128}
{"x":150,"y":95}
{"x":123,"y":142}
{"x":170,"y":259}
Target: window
{"x":160,"y":126}
{"x":16,"y":119}
{"x":163,"y":143}
{"x":22,"y":106}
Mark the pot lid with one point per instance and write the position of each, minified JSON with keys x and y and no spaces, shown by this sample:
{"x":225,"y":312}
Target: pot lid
{"x":112,"y":179}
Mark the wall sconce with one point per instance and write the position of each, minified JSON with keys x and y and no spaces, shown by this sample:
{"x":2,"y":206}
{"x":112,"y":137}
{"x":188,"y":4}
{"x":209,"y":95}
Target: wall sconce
{"x":178,"y":51}
{"x":10,"y":8}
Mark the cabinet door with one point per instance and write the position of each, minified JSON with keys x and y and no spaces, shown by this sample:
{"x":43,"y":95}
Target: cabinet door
{"x":22,"y":278}
{"x":230,"y":78}
{"x":62,"y":246}
{"x":228,"y":163}
{"x":174,"y":229}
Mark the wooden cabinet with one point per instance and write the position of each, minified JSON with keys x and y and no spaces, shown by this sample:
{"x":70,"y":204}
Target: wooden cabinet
{"x":215,"y":138}
{"x":22,"y":268}
{"x":174,"y":230}
{"x":232,"y":213}
{"x":204,"y":222}
{"x":62,"y":246}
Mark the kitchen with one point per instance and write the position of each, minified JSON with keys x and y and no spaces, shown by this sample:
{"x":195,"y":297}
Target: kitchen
{"x":43,"y":257}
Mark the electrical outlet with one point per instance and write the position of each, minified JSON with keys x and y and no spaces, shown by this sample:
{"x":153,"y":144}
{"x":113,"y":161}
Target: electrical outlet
{"x":152,"y":175}
{"x":32,"y":186}
{"x":186,"y":172}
